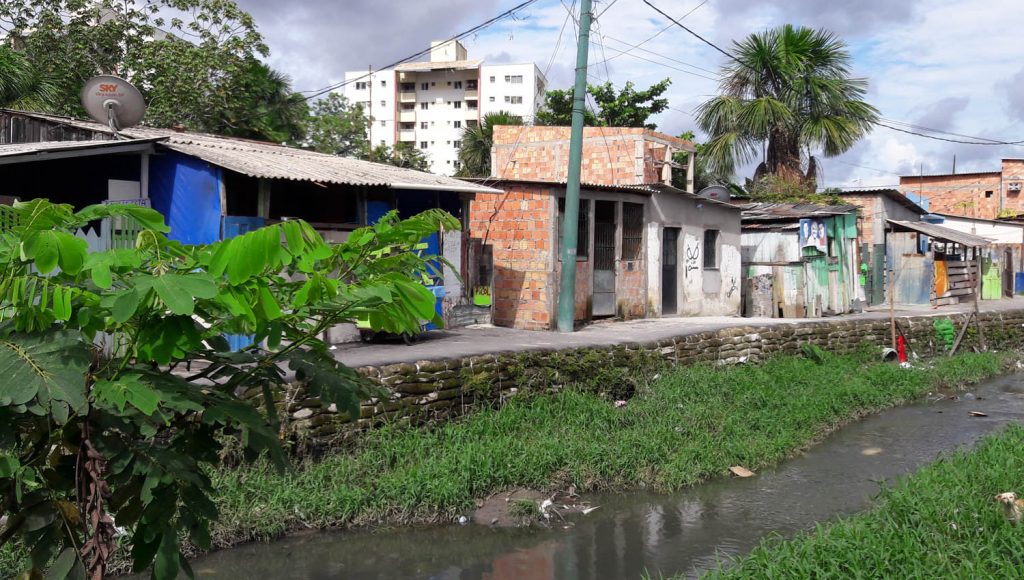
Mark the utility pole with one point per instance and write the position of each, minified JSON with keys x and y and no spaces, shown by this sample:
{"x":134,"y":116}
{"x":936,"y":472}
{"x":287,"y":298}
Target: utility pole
{"x":567,"y":286}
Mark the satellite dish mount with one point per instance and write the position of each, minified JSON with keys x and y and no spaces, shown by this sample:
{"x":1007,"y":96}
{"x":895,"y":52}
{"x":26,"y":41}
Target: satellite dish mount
{"x":113,"y":101}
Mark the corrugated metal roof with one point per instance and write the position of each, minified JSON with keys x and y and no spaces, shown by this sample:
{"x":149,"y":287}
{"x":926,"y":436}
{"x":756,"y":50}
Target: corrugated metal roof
{"x":438,"y":65}
{"x":788,"y":211}
{"x":271,"y":161}
{"x":41,"y":149}
{"x":941,"y":233}
{"x":893,"y":194}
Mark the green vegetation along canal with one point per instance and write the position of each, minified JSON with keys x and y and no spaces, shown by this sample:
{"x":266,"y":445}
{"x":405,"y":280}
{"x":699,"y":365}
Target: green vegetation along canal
{"x":637,"y":533}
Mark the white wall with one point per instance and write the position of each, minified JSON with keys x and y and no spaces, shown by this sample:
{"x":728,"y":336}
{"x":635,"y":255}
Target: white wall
{"x":378,"y":99}
{"x":496,"y":94}
{"x":998,"y":232}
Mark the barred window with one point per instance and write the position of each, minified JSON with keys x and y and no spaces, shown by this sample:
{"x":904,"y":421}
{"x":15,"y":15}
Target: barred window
{"x":582,"y":229}
{"x":632,"y":231}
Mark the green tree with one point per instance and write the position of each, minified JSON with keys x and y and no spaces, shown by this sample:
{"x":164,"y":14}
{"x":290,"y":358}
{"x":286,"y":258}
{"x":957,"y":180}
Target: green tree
{"x":557,"y":110}
{"x":475,"y":152}
{"x":94,"y":437}
{"x":338,"y":127}
{"x":788,"y":93}
{"x":192,"y":59}
{"x":276,"y":112}
{"x":22,"y":86}
{"x":401,"y":155}
{"x":626,"y":108}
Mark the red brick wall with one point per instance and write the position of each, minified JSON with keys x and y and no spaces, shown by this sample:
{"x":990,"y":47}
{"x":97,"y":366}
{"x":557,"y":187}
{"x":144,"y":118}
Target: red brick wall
{"x":519,"y":228}
{"x":1013,"y":172}
{"x":868,"y":215}
{"x":611,"y":155}
{"x":958,"y":194}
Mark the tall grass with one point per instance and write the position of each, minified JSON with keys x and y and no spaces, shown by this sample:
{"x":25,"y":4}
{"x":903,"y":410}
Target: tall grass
{"x":690,"y":425}
{"x":940,"y":522}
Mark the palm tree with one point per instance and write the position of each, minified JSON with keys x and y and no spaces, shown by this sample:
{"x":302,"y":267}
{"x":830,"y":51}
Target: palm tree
{"x":788,"y":94}
{"x":475,"y":152}
{"x":22,"y":86}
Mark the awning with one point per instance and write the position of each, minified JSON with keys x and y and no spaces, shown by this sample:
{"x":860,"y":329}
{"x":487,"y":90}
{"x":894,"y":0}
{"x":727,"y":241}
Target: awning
{"x":940,"y":233}
{"x":49,"y":150}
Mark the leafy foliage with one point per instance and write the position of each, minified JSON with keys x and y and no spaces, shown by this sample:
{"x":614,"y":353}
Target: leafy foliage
{"x":788,"y":91}
{"x":475,"y":152}
{"x":401,"y":155}
{"x":22,"y":86}
{"x":195,"y":61}
{"x":120,"y":387}
{"x":337,"y":127}
{"x":627,"y":108}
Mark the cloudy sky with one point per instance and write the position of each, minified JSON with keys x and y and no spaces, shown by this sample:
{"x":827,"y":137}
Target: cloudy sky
{"x":951,"y":65}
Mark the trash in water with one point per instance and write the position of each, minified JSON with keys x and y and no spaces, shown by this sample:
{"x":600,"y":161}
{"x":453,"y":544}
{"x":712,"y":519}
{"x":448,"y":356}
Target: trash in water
{"x":463,"y":520}
{"x":968,"y":396}
{"x":620,"y":403}
{"x":977,"y":414}
{"x":740,"y":471}
{"x":586,"y":511}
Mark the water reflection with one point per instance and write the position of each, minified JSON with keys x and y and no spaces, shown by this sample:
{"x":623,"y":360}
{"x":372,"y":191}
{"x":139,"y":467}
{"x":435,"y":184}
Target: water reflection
{"x":687,"y":532}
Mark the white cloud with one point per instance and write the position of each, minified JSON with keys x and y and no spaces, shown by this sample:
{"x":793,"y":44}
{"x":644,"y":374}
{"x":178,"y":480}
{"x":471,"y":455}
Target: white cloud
{"x":951,"y":63}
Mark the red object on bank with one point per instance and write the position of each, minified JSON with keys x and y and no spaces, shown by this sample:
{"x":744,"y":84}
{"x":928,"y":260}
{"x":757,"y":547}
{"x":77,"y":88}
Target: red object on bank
{"x":901,"y":348}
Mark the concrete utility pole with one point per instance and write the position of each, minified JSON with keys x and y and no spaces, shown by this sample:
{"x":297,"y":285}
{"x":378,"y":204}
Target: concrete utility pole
{"x":567,"y":286}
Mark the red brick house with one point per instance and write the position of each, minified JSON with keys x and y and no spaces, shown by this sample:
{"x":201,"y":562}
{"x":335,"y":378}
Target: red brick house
{"x":985,"y":194}
{"x":645,"y":248}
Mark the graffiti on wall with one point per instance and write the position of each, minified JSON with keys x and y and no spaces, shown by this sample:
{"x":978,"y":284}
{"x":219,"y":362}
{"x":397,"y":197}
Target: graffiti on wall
{"x":692,"y":258}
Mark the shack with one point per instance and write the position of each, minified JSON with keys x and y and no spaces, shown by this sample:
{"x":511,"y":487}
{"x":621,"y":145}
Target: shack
{"x":210,"y":187}
{"x":799,"y":260}
{"x":1002,"y":261}
{"x":933,"y":264}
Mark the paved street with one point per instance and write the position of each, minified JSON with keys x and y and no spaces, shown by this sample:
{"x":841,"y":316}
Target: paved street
{"x":470,"y":341}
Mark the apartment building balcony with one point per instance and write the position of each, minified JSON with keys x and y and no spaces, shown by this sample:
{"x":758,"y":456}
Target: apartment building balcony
{"x":472,"y":113}
{"x":406,"y":96}
{"x":407,"y":136}
{"x":472,"y":94}
{"x":407,"y":116}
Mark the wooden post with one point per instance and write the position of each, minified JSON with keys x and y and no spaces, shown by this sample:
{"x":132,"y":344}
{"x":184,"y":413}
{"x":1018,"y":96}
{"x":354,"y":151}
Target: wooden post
{"x":977,"y":294}
{"x":892,"y":306}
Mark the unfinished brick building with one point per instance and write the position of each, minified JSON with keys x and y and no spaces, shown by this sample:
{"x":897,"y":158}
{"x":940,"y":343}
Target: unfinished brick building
{"x":985,"y":194}
{"x":645,"y":248}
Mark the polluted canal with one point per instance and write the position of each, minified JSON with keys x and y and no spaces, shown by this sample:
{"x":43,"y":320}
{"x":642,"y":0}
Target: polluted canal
{"x":633,"y":533}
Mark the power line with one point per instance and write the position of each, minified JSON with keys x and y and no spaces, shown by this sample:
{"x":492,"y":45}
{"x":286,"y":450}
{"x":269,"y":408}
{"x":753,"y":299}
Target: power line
{"x":636,"y":56}
{"x":989,"y":142}
{"x":699,"y":37}
{"x":459,"y":36}
{"x":652,"y":37}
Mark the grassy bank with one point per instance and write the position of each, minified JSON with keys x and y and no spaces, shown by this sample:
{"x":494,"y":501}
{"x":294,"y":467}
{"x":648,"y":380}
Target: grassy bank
{"x":689,"y":425}
{"x":940,"y":522}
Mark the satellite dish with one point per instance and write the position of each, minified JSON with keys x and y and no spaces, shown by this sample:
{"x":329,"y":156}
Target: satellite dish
{"x":716,"y":192}
{"x":113,"y":101}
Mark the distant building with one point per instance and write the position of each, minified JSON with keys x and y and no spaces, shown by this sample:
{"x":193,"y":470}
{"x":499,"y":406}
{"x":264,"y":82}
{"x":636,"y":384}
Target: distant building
{"x":428,"y":104}
{"x":984,"y":194}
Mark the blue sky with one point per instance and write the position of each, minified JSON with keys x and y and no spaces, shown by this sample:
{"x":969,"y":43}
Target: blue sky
{"x":948,"y":65}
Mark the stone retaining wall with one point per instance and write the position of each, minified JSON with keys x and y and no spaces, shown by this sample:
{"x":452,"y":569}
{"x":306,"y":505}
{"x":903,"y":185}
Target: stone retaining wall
{"x":439,"y":389}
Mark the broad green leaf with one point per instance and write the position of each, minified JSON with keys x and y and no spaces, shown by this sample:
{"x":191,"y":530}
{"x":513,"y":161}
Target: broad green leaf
{"x":62,"y":566}
{"x":178,"y":291}
{"x":128,"y":389}
{"x":8,"y":465}
{"x":267,"y":305}
{"x":168,"y":339}
{"x":99,"y":264}
{"x":125,"y":304}
{"x":52,"y":248}
{"x":47,"y":367}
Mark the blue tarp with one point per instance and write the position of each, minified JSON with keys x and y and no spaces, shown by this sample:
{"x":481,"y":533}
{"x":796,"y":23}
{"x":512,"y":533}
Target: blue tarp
{"x":186,"y":191}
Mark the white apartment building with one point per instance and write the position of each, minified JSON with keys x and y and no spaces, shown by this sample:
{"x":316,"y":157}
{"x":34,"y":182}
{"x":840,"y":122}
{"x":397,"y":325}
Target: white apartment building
{"x":428,"y":104}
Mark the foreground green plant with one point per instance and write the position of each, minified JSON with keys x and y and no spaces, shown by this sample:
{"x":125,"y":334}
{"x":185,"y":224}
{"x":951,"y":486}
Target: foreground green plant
{"x":104,"y":420}
{"x":688,"y":426}
{"x":940,"y":522}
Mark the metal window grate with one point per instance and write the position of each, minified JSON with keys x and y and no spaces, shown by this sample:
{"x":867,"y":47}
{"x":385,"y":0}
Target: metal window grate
{"x":632,"y":231}
{"x":710,"y":248}
{"x":582,"y":229}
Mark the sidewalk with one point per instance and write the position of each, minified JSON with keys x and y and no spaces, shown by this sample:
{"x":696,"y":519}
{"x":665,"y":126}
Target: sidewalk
{"x":471,"y":341}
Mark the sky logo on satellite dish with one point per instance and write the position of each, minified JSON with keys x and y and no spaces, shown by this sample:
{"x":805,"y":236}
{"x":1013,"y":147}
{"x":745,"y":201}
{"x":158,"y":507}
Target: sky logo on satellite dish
{"x":108,"y":88}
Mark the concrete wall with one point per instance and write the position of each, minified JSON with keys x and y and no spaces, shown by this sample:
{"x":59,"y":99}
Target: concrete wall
{"x":702,"y":291}
{"x":439,"y":389}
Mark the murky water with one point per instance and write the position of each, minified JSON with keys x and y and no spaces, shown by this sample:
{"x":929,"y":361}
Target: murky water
{"x":661,"y":534}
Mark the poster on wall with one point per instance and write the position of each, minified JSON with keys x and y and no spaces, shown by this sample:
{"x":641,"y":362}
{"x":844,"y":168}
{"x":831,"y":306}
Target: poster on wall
{"x":812,"y":234}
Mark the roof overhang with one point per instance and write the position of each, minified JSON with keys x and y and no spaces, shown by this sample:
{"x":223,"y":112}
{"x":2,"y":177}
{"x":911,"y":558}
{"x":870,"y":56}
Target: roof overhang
{"x":49,"y":151}
{"x":940,"y":233}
